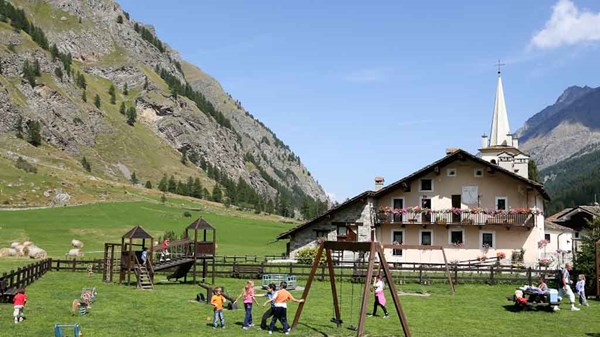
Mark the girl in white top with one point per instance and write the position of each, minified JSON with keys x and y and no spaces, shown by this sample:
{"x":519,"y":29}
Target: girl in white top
{"x":379,"y":297}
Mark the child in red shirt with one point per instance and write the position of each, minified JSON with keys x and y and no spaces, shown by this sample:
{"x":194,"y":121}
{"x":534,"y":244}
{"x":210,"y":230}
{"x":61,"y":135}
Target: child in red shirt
{"x":19,"y":304}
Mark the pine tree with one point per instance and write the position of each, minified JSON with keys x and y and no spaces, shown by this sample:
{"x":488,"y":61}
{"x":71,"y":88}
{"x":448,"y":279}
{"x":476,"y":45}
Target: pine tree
{"x":111,"y":92}
{"x":97,"y":101}
{"x":134,"y":179}
{"x":172,"y":184}
{"x":146,"y":83}
{"x":119,"y":19}
{"x":84,"y":96}
{"x":131,"y":116}
{"x":197,"y":189}
{"x":162,"y":185}
{"x":34,"y":136}
{"x":122,"y":108}
{"x":125,"y":90}
{"x":59,"y":73}
{"x":217,"y":194}
{"x":86,"y":164}
{"x":36,"y":68}
{"x":163,"y":198}
{"x":586,"y":257}
{"x":148,"y":184}
{"x":80,"y":81}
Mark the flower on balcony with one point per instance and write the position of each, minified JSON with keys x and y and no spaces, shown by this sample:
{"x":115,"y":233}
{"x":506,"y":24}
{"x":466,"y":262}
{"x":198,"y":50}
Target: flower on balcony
{"x":545,"y":262}
{"x":501,"y":255}
{"x":542,"y":243}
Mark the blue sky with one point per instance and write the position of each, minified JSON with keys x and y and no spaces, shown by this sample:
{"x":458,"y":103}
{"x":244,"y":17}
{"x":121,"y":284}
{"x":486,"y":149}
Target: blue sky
{"x":360,"y":89}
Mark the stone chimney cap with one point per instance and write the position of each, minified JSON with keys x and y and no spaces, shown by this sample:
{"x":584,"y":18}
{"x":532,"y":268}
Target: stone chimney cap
{"x":379,"y":179}
{"x":451,"y":150}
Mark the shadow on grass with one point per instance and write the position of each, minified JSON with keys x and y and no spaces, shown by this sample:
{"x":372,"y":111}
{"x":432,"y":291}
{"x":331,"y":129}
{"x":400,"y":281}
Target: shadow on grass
{"x":314,"y":329}
{"x":512,"y":308}
{"x":593,"y":334}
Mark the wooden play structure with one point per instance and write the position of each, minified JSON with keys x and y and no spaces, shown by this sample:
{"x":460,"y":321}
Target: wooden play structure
{"x":184,"y":255}
{"x":373,"y":249}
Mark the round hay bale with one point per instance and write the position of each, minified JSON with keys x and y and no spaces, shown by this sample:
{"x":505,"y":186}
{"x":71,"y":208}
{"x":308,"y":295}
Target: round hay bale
{"x":25,"y":251}
{"x":27,"y":243}
{"x":12,"y":252}
{"x":75,"y":252}
{"x":76,"y":243}
{"x":14,"y":244}
{"x":37,"y":253}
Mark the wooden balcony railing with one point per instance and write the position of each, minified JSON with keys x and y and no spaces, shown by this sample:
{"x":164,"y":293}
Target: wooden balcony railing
{"x":449,"y":218}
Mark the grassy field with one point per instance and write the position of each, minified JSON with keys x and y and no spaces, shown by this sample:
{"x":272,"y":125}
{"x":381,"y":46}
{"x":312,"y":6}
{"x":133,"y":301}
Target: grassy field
{"x":169,"y":310}
{"x":238,"y":233}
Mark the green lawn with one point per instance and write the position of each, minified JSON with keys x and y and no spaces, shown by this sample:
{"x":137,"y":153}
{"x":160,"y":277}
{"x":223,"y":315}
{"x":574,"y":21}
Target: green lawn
{"x":169,"y":310}
{"x":53,"y":229}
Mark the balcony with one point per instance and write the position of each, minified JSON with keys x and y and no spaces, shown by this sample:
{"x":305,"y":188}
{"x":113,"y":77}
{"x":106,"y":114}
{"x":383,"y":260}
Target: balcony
{"x":520,"y":218}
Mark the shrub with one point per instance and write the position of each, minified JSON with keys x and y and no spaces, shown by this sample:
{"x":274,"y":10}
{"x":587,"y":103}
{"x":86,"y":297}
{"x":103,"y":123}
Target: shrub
{"x":26,"y":166}
{"x":187,"y":214}
{"x":307,"y":255}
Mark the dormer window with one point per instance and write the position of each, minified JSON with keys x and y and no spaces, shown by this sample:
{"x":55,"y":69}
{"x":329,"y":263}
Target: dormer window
{"x":451,"y":172}
{"x":478,"y":173}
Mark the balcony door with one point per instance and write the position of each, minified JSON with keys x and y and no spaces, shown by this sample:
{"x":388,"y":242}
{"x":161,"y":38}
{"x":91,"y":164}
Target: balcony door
{"x":456,"y":203}
{"x":399,"y":205}
{"x":426,"y":203}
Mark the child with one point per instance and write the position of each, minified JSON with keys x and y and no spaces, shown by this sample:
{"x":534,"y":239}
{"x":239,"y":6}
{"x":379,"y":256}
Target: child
{"x":280,"y":306}
{"x":379,"y":297}
{"x":271,"y":293}
{"x":543,"y":286}
{"x":580,"y":287}
{"x":217,"y":300}
{"x":248,"y":294}
{"x":19,"y":301}
{"x":164,"y":251}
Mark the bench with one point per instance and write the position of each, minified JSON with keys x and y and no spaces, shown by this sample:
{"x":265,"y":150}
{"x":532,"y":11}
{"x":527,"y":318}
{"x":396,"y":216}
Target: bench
{"x":7,"y":294}
{"x":252,"y":271}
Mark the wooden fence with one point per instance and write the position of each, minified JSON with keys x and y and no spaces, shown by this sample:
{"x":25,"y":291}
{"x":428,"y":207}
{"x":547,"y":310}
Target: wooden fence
{"x":22,"y":277}
{"x":405,"y":272}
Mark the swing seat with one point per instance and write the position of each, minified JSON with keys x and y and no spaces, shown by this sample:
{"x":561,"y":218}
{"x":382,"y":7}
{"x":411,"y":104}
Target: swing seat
{"x":336,"y":321}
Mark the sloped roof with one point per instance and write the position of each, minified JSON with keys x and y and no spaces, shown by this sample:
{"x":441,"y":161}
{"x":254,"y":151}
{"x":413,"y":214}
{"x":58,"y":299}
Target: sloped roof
{"x":137,"y":232}
{"x":553,"y":226}
{"x":556,"y":216}
{"x":461,"y":155}
{"x":200,"y":224}
{"x":326,"y":214}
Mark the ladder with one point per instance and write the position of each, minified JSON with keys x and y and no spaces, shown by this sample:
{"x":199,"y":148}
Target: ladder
{"x":143,"y":278}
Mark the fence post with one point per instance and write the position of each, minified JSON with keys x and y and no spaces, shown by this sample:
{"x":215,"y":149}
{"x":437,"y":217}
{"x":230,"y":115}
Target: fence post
{"x":421,"y":274}
{"x":455,"y":274}
{"x":492,"y":274}
{"x":529,"y":275}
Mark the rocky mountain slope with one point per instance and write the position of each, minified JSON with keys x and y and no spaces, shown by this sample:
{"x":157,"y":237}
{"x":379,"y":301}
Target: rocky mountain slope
{"x":568,"y":127}
{"x":106,"y":88}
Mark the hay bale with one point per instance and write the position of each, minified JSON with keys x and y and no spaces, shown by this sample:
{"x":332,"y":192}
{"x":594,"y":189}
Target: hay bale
{"x":75,"y":252}
{"x":12,"y":252}
{"x":27,"y":243}
{"x":25,"y":250}
{"x":76,"y":243}
{"x":19,"y":250}
{"x":14,"y":244}
{"x":37,"y":253}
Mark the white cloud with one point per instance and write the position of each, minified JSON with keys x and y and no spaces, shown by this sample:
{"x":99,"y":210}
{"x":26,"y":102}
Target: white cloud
{"x":369,"y":75}
{"x":568,"y":26}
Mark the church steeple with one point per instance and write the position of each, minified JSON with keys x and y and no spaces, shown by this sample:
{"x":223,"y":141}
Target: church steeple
{"x":500,"y":128}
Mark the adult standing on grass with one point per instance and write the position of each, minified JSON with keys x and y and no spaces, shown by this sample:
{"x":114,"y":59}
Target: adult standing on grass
{"x":19,"y":302}
{"x":565,"y":288}
{"x":271,"y":293}
{"x":280,"y":306}
{"x":379,"y":297}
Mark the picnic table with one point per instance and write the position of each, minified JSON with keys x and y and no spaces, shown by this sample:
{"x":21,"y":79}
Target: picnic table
{"x":533,"y":297}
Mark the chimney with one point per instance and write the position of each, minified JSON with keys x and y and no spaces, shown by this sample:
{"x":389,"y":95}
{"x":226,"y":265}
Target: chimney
{"x":515,"y":142}
{"x":451,"y":150}
{"x":484,"y":141}
{"x":379,"y":183}
{"x":509,"y":139}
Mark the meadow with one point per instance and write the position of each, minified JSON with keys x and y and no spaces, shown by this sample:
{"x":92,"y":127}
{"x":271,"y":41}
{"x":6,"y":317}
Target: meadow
{"x":170,"y":309}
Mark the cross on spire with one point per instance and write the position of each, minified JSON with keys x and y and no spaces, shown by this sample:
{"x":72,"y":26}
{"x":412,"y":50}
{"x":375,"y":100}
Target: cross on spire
{"x":499,"y":65}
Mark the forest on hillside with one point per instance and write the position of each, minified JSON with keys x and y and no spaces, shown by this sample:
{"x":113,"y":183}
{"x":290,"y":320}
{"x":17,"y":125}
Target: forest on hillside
{"x":573,"y":182}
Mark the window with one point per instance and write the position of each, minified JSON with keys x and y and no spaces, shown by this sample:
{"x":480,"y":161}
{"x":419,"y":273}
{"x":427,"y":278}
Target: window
{"x":547,"y":237}
{"x":398,"y":203}
{"x":426,"y":185}
{"x":451,"y":172}
{"x":342,"y":230}
{"x":456,"y":237}
{"x":487,"y":240}
{"x":321,"y":233}
{"x":397,"y":238}
{"x":501,"y":203}
{"x":576,"y":235}
{"x":478,"y":173}
{"x":426,"y":238}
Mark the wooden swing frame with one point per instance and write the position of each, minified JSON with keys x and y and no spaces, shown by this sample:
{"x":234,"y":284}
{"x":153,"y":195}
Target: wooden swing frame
{"x":373,"y":248}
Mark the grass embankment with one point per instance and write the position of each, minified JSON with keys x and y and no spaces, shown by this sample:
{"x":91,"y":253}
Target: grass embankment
{"x":169,"y":310}
{"x":238,"y":233}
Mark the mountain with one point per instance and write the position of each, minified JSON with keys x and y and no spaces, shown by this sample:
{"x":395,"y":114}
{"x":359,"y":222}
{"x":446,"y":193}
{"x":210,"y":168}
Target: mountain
{"x":83,"y":82}
{"x":564,"y":141}
{"x":567,"y":127}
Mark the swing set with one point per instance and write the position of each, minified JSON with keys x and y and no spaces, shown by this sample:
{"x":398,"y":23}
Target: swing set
{"x":373,"y":248}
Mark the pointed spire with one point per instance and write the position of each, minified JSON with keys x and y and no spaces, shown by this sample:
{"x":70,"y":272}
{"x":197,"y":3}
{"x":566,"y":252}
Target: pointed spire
{"x":500,"y":128}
